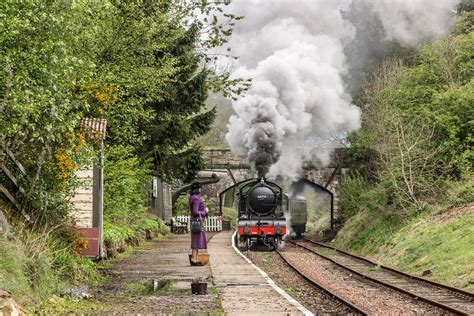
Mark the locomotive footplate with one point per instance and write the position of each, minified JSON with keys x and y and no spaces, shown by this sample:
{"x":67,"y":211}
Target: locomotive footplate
{"x":263,"y":227}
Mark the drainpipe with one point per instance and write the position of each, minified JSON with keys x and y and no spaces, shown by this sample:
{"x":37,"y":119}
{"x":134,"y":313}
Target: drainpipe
{"x":101,"y":200}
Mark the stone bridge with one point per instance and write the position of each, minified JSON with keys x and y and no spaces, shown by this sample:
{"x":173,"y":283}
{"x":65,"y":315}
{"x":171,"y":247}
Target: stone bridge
{"x":232,"y":169}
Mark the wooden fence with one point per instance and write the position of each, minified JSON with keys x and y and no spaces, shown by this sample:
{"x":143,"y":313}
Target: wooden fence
{"x":21,"y":191}
{"x":212,"y":223}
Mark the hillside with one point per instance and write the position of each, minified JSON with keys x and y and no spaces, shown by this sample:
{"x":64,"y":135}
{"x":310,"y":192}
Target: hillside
{"x":411,"y":204}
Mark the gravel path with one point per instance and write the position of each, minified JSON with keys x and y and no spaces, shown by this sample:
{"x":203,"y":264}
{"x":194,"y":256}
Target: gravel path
{"x":155,"y":280}
{"x":369,"y":296}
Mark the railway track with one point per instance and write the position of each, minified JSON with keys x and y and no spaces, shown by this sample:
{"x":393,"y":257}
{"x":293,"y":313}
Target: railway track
{"x":356,"y":309}
{"x":442,"y":296}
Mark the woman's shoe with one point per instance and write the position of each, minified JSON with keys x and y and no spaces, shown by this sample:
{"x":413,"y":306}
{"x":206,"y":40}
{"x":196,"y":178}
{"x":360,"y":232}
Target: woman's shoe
{"x":196,"y":263}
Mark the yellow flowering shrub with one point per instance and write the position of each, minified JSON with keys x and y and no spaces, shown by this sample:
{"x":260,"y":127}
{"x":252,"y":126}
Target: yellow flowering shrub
{"x":102,"y":96}
{"x":64,"y":163}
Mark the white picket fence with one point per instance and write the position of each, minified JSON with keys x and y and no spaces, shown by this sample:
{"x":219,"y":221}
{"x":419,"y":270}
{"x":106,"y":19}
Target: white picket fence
{"x":212,"y":224}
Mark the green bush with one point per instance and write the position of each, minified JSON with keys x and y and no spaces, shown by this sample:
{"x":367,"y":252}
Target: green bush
{"x":115,"y":234}
{"x":358,"y":195}
{"x":125,"y":216}
{"x":181,"y":207}
{"x":230,"y":214}
{"x":149,"y":224}
{"x":463,"y":192}
{"x":126,"y":178}
{"x":352,"y":192}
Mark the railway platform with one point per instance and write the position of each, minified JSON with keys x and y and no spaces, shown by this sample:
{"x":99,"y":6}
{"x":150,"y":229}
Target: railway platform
{"x":157,"y":280}
{"x":243,"y":289}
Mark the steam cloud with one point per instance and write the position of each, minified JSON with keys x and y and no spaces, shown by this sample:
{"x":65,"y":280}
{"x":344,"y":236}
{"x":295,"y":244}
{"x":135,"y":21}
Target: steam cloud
{"x":295,"y":51}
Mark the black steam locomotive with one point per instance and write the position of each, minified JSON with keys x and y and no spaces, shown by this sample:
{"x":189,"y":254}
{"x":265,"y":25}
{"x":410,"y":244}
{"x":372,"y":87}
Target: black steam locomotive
{"x":265,"y":213}
{"x":261,"y":215}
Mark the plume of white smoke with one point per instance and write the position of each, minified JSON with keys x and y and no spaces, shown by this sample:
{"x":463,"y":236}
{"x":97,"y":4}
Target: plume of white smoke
{"x":414,"y":21}
{"x":294,"y":52}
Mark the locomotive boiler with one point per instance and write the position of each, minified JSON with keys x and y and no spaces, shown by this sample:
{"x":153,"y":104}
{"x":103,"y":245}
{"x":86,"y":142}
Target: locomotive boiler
{"x":260,"y":213}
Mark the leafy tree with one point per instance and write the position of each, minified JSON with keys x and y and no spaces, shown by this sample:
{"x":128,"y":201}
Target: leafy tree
{"x":157,"y":58}
{"x":41,"y":63}
{"x":417,"y":115}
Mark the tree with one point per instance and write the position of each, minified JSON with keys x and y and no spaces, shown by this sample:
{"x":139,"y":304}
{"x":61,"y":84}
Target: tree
{"x":157,"y":60}
{"x":417,"y":115}
{"x":41,"y":63}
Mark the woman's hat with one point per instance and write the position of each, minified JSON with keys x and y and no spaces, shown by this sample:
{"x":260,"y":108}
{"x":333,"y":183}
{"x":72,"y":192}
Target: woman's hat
{"x":195,"y":185}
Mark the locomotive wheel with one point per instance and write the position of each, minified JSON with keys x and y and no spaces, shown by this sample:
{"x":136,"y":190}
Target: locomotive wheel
{"x":244,"y":244}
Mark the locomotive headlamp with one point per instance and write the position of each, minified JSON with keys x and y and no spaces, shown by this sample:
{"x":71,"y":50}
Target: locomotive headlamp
{"x":246,"y":230}
{"x":278,"y":230}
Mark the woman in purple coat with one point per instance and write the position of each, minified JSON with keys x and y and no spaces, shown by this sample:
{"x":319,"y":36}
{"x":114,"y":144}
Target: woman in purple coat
{"x":198,"y":212}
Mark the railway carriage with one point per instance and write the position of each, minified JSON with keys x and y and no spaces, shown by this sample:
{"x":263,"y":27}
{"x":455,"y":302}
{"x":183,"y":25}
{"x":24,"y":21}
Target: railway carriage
{"x":295,"y":206}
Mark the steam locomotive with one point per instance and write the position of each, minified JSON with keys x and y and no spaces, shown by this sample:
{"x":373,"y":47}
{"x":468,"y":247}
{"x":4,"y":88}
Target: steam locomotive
{"x":262,"y":207}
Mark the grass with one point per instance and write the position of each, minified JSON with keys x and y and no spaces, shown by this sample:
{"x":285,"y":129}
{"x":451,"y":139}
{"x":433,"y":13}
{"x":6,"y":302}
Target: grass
{"x":376,"y":267}
{"x":56,"y":305}
{"x":443,"y":246}
{"x":324,"y":251}
{"x":142,"y":287}
{"x":13,"y":278}
{"x":212,"y":290}
{"x":36,"y":267}
{"x":438,"y":240}
{"x":365,"y":231}
{"x":431,"y":240}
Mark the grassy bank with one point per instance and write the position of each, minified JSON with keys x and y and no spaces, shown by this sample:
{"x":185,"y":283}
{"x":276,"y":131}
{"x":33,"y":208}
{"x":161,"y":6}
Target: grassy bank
{"x":35,"y":266}
{"x":437,"y":242}
{"x":440,"y":244}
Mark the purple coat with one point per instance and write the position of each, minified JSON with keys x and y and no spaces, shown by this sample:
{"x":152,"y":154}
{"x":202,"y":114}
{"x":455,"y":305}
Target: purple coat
{"x":198,"y":212}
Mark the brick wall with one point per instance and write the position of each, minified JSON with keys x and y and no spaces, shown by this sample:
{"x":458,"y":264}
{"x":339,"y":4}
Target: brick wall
{"x":223,"y":158}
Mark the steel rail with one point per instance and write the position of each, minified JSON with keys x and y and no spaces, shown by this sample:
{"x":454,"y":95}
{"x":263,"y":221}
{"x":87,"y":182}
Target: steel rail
{"x":364,"y":276}
{"x":434,"y":283}
{"x":325,"y":290}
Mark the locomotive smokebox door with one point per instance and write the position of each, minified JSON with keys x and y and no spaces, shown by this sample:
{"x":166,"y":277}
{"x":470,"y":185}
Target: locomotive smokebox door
{"x":262,"y":200}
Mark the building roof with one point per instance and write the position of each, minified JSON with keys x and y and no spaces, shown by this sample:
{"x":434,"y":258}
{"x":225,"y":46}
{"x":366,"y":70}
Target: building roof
{"x":97,"y":125}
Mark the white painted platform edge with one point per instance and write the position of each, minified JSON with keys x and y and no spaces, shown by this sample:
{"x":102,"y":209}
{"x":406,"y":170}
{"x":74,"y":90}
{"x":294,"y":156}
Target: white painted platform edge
{"x":272,"y":284}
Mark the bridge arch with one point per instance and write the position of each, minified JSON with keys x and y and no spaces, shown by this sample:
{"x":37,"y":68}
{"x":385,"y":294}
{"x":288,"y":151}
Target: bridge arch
{"x":227,"y":196}
{"x":233,"y":168}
